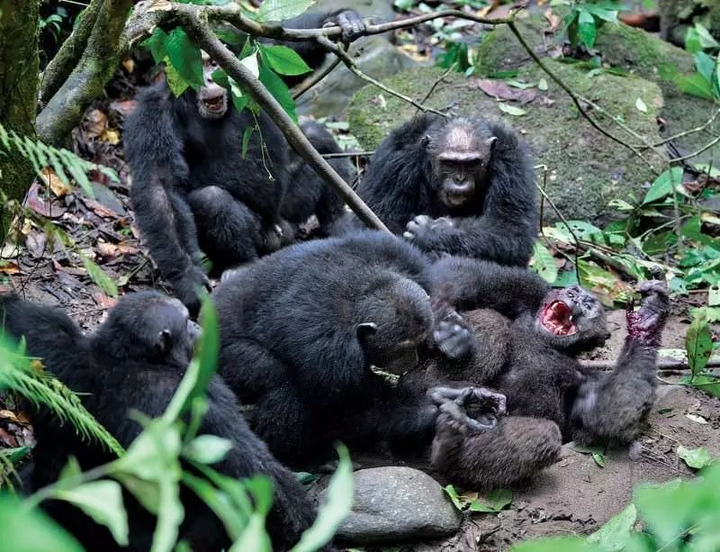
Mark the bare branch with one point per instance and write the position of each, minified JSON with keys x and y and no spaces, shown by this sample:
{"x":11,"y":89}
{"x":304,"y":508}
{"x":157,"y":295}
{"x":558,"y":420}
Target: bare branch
{"x":314,"y":79}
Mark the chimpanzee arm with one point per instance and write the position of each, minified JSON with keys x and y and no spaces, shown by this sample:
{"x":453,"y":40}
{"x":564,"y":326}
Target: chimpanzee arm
{"x":465,"y":284}
{"x":613,"y":406}
{"x":154,"y":147}
{"x":506,"y":230}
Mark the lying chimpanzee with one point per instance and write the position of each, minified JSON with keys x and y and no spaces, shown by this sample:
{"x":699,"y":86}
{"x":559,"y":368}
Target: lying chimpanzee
{"x":135,"y":361}
{"x":531,"y":360}
{"x":454,"y":186}
{"x":193,"y":187}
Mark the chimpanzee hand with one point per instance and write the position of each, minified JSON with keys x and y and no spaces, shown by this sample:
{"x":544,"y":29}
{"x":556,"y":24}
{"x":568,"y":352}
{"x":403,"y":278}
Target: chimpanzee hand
{"x":278,"y":235}
{"x":646,"y":324}
{"x":187,"y":288}
{"x":351,"y":23}
{"x":453,"y":337}
{"x":422,"y":228}
{"x":456,"y":402}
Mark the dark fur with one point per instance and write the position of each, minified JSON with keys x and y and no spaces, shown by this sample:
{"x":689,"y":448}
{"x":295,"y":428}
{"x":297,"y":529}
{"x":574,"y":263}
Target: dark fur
{"x":122,"y":367}
{"x":498,"y":223}
{"x":193,"y":188}
{"x":292,"y":342}
{"x":549,"y":394}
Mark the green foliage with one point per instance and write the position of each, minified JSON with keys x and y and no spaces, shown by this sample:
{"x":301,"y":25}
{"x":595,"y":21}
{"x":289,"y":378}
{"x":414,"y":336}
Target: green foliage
{"x":664,"y":185}
{"x":280,"y":10}
{"x":584,"y":20}
{"x":543,"y":263}
{"x":283,"y":60}
{"x":682,"y":516}
{"x":62,"y":161}
{"x":494,"y":502}
{"x":695,"y":458}
{"x":26,"y":377}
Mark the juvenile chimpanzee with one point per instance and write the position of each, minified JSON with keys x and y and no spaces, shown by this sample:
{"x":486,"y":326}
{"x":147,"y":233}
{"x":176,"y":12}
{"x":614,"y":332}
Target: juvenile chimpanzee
{"x":456,"y":186}
{"x":135,"y":361}
{"x":532,"y":361}
{"x":193,"y":188}
{"x":300,"y":330}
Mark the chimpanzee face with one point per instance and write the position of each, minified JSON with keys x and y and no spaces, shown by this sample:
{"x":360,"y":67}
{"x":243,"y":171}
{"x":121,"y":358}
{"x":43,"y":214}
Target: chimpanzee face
{"x":212,"y":98}
{"x":572,"y":317}
{"x":460,"y":160}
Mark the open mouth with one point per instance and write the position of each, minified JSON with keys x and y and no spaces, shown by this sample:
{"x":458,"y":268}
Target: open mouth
{"x":456,"y":200}
{"x":557,"y":318}
{"x":215,"y":105}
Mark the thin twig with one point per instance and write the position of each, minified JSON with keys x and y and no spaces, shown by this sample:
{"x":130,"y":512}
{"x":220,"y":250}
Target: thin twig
{"x":350,"y":64}
{"x":314,"y":79}
{"x":668,"y":364}
{"x":573,"y":96}
{"x":698,"y":152}
{"x":348,"y":154}
{"x":437,"y":82}
{"x":688,"y":132}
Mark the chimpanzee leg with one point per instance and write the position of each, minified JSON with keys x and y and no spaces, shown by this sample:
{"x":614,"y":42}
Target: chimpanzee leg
{"x":229,"y":231}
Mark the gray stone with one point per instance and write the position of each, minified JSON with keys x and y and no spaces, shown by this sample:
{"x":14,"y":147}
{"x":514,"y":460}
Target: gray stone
{"x":393,"y":504}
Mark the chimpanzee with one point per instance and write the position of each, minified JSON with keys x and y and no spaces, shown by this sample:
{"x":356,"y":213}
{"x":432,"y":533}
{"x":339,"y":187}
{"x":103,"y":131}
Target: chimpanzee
{"x":135,"y":361}
{"x":454,"y":186}
{"x":193,"y":188}
{"x":532,"y":361}
{"x":300,"y":330}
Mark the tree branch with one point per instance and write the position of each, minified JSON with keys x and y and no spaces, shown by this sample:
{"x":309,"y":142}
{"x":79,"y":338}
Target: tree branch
{"x":197,"y":27}
{"x":87,"y":81}
{"x":69,"y":54}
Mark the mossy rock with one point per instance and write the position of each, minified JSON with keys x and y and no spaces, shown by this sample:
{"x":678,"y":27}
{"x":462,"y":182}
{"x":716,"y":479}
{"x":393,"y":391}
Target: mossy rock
{"x":586,"y":170}
{"x":632,"y":50}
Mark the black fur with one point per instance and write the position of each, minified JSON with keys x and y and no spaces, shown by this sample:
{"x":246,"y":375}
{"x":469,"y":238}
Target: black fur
{"x":193,"y":188}
{"x":498,"y":222}
{"x":549,"y":394}
{"x":295,"y":341}
{"x":123,"y":366}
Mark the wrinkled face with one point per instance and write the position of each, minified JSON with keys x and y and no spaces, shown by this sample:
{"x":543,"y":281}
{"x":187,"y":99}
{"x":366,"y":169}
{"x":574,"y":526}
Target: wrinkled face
{"x":572,"y":317}
{"x":212,"y":98}
{"x":460,"y":160}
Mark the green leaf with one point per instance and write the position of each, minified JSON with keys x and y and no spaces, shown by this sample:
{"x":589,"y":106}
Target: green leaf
{"x":695,"y":458}
{"x":30,"y":530}
{"x":707,"y":41}
{"x":280,"y":10}
{"x":705,"y":65}
{"x":175,"y":82}
{"x":556,"y":544}
{"x":614,"y":535}
{"x":247,"y":134}
{"x":255,"y":537}
{"x":692,"y":41}
{"x":599,"y":458}
{"x":542,"y":84}
{"x":454,"y":496}
{"x":511,"y":109}
{"x":185,"y":57}
{"x":284,"y":60}
{"x":98,"y":276}
{"x":102,"y":501}
{"x":334,"y":511}
{"x":695,"y":85}
{"x":495,"y":501}
{"x":664,"y":185}
{"x":251,"y":62}
{"x":543,"y":263}
{"x":586,"y":28}
{"x":156,"y":45}
{"x":698,"y":344}
{"x":597,"y":452}
{"x":279,"y":90}
{"x":219,"y":502}
{"x":207,"y":449}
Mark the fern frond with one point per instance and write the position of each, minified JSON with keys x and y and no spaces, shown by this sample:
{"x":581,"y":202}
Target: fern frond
{"x":41,"y":388}
{"x":62,"y":161}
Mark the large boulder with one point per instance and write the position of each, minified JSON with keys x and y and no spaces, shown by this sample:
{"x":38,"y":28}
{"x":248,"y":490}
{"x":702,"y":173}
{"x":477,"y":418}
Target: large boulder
{"x":394,"y":504}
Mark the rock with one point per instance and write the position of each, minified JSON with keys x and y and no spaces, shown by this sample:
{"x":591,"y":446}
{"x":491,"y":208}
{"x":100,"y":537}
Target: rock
{"x":586,"y":170}
{"x":393,"y":504}
{"x":374,"y":55}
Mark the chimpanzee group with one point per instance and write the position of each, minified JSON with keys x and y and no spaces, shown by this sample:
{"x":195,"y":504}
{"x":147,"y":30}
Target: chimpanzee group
{"x":488,"y":385}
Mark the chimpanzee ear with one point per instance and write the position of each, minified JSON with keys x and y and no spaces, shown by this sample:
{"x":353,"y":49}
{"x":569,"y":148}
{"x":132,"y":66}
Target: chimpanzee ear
{"x":425,"y":141}
{"x":163,"y":341}
{"x":491,"y":142}
{"x":365,"y":329}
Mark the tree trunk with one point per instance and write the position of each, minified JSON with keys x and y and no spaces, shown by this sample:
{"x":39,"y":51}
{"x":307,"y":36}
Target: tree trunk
{"x":19,"y":68}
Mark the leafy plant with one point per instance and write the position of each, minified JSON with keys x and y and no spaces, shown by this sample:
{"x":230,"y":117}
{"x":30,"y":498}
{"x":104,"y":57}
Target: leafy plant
{"x":584,"y":21}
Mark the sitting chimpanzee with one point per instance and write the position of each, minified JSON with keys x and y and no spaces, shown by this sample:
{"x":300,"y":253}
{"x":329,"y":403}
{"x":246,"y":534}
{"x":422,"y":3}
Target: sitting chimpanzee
{"x":193,"y":187}
{"x":532,"y":361}
{"x":454,"y":186}
{"x":300,"y":330}
{"x":135,"y":361}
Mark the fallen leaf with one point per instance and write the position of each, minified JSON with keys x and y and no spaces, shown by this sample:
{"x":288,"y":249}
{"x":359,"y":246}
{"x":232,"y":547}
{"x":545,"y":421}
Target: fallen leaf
{"x":696,"y":418}
{"x":129,"y":65}
{"x":111,"y":136}
{"x":553,"y":19}
{"x":501,"y":90}
{"x":640,"y":105}
{"x":43,"y":206}
{"x":9,"y":267}
{"x":58,"y":187}
{"x":511,"y":110}
{"x":95,"y":123}
{"x":99,"y":209}
{"x":542,"y":85}
{"x":103,"y":300}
